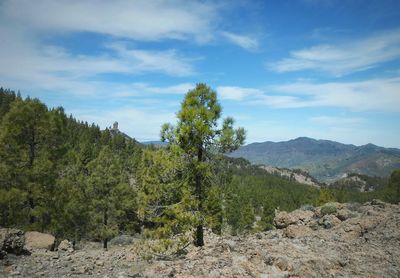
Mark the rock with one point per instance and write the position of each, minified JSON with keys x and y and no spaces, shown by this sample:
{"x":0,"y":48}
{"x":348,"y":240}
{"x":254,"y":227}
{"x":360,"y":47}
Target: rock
{"x":343,"y":261}
{"x":365,"y":245}
{"x":344,"y":214}
{"x":297,"y":231}
{"x":65,"y":245}
{"x":329,"y":221}
{"x":283,"y":264}
{"x":284,"y":219}
{"x":12,"y":241}
{"x":229,"y":244}
{"x":36,"y":240}
{"x":377,"y":202}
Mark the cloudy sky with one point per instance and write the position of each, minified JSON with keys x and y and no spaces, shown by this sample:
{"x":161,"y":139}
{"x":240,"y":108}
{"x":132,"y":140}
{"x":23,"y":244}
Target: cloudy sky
{"x":327,"y":69}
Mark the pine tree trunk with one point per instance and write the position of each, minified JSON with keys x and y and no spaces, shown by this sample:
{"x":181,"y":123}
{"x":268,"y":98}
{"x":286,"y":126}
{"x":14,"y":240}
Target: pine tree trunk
{"x":105,"y":222}
{"x":199,"y":236}
{"x":199,"y":241}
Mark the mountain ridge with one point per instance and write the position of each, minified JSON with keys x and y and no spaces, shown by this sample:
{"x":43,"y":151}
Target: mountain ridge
{"x":326,"y":160}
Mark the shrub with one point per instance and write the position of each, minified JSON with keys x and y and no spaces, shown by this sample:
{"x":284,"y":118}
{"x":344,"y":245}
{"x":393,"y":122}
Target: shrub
{"x":328,"y":209}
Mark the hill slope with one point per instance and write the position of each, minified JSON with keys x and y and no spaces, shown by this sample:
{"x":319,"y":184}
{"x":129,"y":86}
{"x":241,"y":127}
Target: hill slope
{"x":326,"y":160}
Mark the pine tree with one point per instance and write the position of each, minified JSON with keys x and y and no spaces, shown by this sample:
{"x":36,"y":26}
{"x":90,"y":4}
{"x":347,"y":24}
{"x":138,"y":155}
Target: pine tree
{"x":108,"y":186}
{"x":197,"y":135}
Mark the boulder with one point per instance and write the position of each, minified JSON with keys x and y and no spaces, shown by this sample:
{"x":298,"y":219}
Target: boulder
{"x":344,"y":214}
{"x":297,"y":231}
{"x":12,"y":241}
{"x":284,"y":219}
{"x":36,"y":240}
{"x":329,"y":221}
{"x":65,"y":245}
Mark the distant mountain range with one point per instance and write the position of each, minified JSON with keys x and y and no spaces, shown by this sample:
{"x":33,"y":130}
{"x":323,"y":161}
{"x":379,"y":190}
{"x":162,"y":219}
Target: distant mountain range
{"x":325,"y":160}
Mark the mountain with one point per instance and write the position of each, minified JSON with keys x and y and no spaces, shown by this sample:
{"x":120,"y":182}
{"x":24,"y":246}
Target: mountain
{"x":325,"y":160}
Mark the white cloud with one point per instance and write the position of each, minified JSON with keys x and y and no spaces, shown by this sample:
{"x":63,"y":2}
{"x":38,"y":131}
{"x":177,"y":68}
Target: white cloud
{"x":34,"y":65}
{"x":343,"y":58}
{"x":238,"y":93}
{"x":136,"y":89}
{"x":375,"y":94}
{"x":372,"y":95}
{"x":168,"y":61}
{"x":245,"y":42}
{"x":139,"y":19}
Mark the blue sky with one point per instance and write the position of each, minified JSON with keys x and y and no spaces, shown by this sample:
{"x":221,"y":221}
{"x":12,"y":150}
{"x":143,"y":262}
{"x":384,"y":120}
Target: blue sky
{"x":327,"y":69}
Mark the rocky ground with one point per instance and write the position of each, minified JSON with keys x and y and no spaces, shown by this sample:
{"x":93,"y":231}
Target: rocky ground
{"x":338,"y":240}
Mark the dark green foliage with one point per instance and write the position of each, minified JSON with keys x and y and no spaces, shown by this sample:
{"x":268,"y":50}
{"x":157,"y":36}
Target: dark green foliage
{"x":325,"y":196}
{"x":49,"y":165}
{"x":254,"y":188}
{"x":392,"y":191}
{"x":7,"y":97}
{"x":328,"y":209}
{"x":197,"y":136}
{"x":111,"y":198}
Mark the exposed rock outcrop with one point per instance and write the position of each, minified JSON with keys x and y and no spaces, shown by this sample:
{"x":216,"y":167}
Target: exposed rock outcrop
{"x":361,"y":242}
{"x":354,"y":241}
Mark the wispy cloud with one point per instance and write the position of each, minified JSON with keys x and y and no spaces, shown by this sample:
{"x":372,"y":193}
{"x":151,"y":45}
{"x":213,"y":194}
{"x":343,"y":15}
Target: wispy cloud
{"x":372,"y":95}
{"x":245,"y":42}
{"x":238,"y":93}
{"x":34,"y":65}
{"x":376,"y":94}
{"x":168,"y":61}
{"x":139,"y":20}
{"x":136,"y":89}
{"x":344,"y":58}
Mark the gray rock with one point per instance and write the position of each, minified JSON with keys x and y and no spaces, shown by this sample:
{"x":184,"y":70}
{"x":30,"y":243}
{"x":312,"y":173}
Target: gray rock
{"x":344,"y":214}
{"x":283,"y":219}
{"x":12,"y":241}
{"x":65,"y":245}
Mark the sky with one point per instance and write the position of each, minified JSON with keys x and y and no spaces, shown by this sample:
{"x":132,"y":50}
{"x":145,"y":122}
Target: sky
{"x":326,"y":69}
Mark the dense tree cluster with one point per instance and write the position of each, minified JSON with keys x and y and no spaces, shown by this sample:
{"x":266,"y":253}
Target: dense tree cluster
{"x":76,"y":181}
{"x":61,"y":175}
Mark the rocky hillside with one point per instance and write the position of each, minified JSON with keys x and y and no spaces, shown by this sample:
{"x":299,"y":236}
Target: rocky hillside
{"x":361,"y":183}
{"x":337,"y":240}
{"x":323,"y":159}
{"x":297,"y":175}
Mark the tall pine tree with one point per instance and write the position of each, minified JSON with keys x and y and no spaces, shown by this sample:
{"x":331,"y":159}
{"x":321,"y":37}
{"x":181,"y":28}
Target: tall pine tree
{"x":197,"y":135}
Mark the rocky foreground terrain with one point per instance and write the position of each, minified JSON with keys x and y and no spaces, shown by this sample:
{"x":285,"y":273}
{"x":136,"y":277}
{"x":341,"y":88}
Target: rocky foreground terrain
{"x":337,"y":240}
